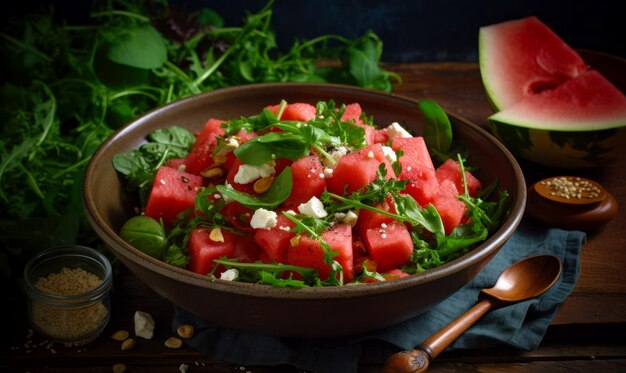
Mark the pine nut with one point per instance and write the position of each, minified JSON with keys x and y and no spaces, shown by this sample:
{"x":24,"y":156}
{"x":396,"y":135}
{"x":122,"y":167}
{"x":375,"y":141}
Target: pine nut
{"x":119,"y":368}
{"x":212,"y":172}
{"x":120,"y":335}
{"x":173,"y":342}
{"x":216,"y":235}
{"x":185,"y":331}
{"x":128,"y":344}
{"x":294,"y":241}
{"x":263,"y":184}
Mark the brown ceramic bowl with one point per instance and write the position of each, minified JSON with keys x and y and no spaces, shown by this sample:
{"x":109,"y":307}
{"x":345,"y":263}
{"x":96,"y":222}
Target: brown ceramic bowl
{"x":310,"y":312}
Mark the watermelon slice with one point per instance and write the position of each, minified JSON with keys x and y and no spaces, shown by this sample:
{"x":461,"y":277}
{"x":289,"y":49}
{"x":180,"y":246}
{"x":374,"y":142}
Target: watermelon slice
{"x":587,"y":102}
{"x":551,"y":107}
{"x":521,"y":58}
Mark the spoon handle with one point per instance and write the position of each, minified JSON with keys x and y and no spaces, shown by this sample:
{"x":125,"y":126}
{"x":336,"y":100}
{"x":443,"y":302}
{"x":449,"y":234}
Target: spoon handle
{"x":419,"y":359}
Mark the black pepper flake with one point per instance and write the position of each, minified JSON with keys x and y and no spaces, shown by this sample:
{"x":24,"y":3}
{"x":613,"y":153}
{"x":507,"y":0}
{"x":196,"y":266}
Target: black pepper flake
{"x":185,"y":179}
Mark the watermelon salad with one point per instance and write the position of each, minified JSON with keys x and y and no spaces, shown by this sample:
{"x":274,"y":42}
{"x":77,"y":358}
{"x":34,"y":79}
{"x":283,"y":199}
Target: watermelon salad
{"x":302,"y":195}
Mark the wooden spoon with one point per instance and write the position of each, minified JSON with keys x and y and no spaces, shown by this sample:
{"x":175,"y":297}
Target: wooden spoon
{"x":523,"y":280}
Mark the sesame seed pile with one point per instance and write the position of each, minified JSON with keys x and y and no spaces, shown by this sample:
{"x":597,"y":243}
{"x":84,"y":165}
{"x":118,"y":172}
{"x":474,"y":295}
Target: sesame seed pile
{"x":68,"y":282}
{"x":64,"y":322}
{"x":572,"y":188}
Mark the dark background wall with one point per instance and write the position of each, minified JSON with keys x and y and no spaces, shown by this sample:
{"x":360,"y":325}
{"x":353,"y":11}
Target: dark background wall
{"x":420,"y":30}
{"x":431,"y":30}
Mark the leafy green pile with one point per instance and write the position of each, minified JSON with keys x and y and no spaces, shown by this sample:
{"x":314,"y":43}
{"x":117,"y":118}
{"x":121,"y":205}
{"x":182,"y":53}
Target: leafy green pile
{"x":68,"y":87}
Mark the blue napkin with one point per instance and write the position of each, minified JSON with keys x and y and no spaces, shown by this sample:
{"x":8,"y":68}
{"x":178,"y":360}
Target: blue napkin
{"x":520,"y":326}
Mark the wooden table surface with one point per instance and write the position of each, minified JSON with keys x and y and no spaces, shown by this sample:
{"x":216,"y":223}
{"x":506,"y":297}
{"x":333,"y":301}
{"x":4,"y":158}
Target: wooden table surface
{"x":587,"y":334}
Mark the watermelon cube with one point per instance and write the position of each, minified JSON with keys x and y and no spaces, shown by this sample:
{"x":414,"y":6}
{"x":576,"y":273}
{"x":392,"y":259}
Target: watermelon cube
{"x":449,"y":207}
{"x":390,"y":246}
{"x":275,"y":241}
{"x":173,"y":192}
{"x":370,"y":219}
{"x":357,"y":169}
{"x":309,"y":252}
{"x":299,"y":111}
{"x":414,"y":153}
{"x":246,"y":249}
{"x":308,"y":180}
{"x":422,"y":184}
{"x":203,"y":250}
{"x":451,"y":170}
{"x":199,"y":157}
{"x":353,"y":112}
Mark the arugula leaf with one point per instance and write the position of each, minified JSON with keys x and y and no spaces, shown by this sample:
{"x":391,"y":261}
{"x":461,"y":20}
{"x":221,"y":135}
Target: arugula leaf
{"x":485,"y":217}
{"x":437,"y":129}
{"x":277,"y":194}
{"x":407,"y":210}
{"x":428,"y":217}
{"x":175,"y":256}
{"x":270,"y":274}
{"x":312,"y":227}
{"x":254,"y":123}
{"x":140,"y":165}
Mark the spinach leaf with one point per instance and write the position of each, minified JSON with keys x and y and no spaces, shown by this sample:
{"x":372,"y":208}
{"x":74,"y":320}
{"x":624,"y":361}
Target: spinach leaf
{"x":271,"y":146}
{"x":277,"y":194}
{"x":139,"y":46}
{"x":437,"y":129}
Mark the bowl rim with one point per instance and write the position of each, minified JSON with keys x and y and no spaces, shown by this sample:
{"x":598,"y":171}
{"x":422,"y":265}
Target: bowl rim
{"x":486,"y":248}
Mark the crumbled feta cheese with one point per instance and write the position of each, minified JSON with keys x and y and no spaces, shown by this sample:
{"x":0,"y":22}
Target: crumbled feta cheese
{"x":395,"y":130}
{"x":247,"y":173}
{"x":328,"y":172}
{"x":290,"y":212}
{"x":390,"y":154}
{"x":313,"y":208}
{"x":183,"y":368}
{"x":230,"y":274}
{"x":350,"y":218}
{"x":144,"y":325}
{"x":337,"y":153}
{"x":263,"y":219}
{"x":370,"y":155}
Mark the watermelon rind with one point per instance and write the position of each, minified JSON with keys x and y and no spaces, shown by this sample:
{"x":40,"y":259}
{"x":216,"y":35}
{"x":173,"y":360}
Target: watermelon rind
{"x":563,"y":149}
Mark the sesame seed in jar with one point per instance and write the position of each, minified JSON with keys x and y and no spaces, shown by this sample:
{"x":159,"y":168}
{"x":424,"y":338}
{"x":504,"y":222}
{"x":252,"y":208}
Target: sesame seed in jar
{"x":73,"y":321}
{"x":68,"y":282}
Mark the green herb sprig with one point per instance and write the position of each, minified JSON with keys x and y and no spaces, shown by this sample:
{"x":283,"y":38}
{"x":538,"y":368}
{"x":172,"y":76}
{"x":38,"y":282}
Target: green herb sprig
{"x":67,"y":87}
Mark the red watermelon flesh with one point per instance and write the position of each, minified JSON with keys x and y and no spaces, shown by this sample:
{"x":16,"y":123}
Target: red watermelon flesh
{"x":524,"y":57}
{"x":173,"y":192}
{"x":199,"y":156}
{"x":586,"y":102}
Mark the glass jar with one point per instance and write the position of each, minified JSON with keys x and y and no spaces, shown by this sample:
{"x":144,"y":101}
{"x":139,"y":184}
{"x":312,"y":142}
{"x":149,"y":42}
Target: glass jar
{"x":68,"y":294}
